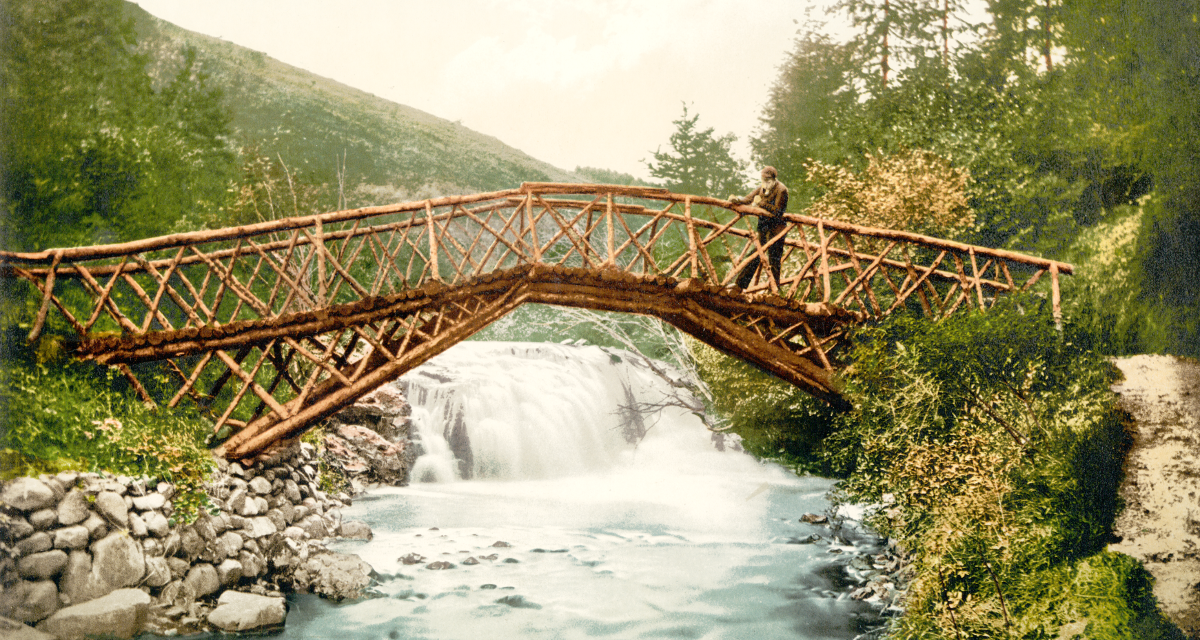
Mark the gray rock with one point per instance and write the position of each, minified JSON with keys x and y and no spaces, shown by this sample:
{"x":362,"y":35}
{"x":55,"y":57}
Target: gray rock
{"x":76,"y":580}
{"x":96,"y":526}
{"x":137,"y":526}
{"x":337,"y":576}
{"x":151,"y":548}
{"x":191,"y":543}
{"x":237,"y":501}
{"x":295,"y":533}
{"x":238,"y":611}
{"x":355,"y":529}
{"x":18,"y":528}
{"x":157,"y":523}
{"x":204,"y":526}
{"x":27,"y":494}
{"x":172,"y":543}
{"x":260,"y":486}
{"x":260,"y":527}
{"x":112,"y":506}
{"x":149,"y":502}
{"x":278,"y":519}
{"x":73,"y":509}
{"x":11,"y":629}
{"x":202,"y":579}
{"x":43,"y":519}
{"x":74,"y":537}
{"x":229,"y":572}
{"x":252,"y":564}
{"x":158,"y":572}
{"x":117,"y":561}
{"x":179,"y":567}
{"x":228,"y":544}
{"x":36,"y":543}
{"x":291,"y":491}
{"x":25,"y":601}
{"x":42,"y":566}
{"x":121,"y":614}
{"x":177,"y":593}
{"x":314,"y":526}
{"x":263,"y":505}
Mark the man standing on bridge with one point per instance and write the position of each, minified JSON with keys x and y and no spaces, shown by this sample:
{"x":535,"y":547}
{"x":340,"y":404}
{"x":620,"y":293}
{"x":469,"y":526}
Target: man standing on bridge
{"x":771,"y":195}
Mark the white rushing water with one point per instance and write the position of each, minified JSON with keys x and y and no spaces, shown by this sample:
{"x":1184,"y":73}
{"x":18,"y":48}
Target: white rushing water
{"x":524,"y":445}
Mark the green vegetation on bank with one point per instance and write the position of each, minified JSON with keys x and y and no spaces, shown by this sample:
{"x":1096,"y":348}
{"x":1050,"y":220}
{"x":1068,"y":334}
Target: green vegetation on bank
{"x":58,"y":416}
{"x":991,"y":447}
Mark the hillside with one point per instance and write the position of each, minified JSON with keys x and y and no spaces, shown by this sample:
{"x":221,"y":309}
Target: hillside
{"x":392,"y":152}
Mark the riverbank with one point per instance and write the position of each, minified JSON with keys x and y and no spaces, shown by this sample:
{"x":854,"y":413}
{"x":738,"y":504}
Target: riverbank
{"x":1160,"y":525}
{"x":77,"y":547}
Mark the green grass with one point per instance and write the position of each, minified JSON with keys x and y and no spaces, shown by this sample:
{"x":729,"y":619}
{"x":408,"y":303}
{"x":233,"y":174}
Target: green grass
{"x":59,"y":415}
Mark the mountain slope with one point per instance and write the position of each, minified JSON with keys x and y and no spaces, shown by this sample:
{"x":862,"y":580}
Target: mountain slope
{"x":392,"y":152}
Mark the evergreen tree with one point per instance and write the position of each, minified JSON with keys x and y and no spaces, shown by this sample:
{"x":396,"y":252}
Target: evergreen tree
{"x":698,"y":162}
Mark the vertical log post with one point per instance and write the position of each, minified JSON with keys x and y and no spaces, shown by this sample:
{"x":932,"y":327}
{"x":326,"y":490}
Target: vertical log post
{"x":320,"y":249}
{"x":537,"y":246}
{"x":608,"y":215}
{"x":433,"y":245}
{"x":825,"y":285}
{"x":36,"y":331}
{"x":692,"y":244}
{"x":1055,"y":298}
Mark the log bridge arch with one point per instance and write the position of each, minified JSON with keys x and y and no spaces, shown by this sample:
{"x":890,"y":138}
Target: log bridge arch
{"x":272,"y":327}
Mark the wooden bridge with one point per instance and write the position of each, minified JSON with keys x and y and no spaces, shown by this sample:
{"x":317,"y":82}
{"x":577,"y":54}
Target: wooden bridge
{"x":272,"y":327}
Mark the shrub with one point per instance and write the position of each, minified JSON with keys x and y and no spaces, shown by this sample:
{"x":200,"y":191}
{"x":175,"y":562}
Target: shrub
{"x":60,"y":416}
{"x":992,"y":447}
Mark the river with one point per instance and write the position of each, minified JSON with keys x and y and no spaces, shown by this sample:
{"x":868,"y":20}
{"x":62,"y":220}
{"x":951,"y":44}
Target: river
{"x":555,"y":526}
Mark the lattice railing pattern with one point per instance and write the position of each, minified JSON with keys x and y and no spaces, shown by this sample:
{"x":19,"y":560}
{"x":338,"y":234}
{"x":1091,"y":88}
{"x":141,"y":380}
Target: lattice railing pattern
{"x":272,"y":326}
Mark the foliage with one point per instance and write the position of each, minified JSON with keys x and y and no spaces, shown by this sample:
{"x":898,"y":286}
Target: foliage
{"x":913,"y":190}
{"x":92,"y":151}
{"x":992,"y":447}
{"x":776,"y":420}
{"x":59,"y":416}
{"x":698,"y":162}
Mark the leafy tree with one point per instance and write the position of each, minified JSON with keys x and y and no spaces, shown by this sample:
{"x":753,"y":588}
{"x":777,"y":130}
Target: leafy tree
{"x":91,"y":151}
{"x":799,"y":121}
{"x":698,"y":162}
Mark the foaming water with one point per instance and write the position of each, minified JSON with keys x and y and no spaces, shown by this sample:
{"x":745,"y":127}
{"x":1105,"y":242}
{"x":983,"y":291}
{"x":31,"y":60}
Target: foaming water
{"x":558,"y":527}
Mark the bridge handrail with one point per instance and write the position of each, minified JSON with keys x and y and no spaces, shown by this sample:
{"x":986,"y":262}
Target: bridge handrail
{"x":115,"y":250}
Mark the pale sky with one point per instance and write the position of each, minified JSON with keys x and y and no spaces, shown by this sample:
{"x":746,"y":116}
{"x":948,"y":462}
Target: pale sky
{"x":570,"y":82}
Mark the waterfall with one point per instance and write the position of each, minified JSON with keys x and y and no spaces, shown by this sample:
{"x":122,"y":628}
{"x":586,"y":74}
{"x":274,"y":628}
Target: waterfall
{"x":509,"y":410}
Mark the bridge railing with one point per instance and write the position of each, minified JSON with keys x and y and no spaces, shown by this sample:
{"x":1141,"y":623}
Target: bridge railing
{"x":306,"y":264}
{"x":179,"y":295}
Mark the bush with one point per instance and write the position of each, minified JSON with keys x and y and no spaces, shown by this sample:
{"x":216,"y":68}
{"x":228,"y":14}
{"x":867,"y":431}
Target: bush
{"x":992,"y":447}
{"x":71,"y":416}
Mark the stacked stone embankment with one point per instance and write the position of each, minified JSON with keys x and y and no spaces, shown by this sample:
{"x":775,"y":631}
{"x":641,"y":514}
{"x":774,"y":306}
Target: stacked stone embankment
{"x":76,"y":547}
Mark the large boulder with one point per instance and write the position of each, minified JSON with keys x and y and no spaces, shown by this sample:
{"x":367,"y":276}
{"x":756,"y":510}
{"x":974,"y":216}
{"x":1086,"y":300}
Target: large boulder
{"x":111,"y":505}
{"x":337,"y":576}
{"x":27,"y":494}
{"x":237,"y":611}
{"x":116,"y":561}
{"x":120,"y":614}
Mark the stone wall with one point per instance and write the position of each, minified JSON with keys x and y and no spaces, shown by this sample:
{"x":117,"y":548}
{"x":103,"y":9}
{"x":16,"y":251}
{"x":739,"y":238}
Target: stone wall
{"x":74,"y":538}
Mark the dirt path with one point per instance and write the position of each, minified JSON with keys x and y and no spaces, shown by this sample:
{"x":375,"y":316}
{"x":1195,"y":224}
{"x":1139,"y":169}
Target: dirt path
{"x":1161,"y":522}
